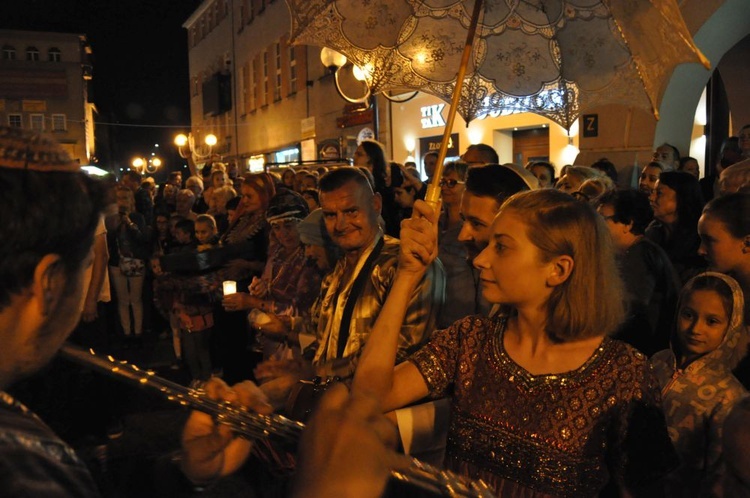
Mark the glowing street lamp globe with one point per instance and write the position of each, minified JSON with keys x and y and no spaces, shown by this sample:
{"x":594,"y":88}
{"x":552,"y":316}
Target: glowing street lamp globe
{"x":190,"y":147}
{"x":181,"y":140}
{"x":332,"y":59}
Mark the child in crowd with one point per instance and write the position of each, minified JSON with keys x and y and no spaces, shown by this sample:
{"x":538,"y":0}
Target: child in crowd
{"x":162,"y":240}
{"x":192,"y":309}
{"x":232,"y":205}
{"x":183,"y":239}
{"x":218,"y":206}
{"x":184,"y":235}
{"x":206,"y":232}
{"x":698,"y":388}
{"x":173,"y":220}
{"x":219,"y":178}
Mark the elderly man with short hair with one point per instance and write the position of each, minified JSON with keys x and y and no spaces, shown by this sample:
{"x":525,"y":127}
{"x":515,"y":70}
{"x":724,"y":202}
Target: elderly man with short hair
{"x":195,"y":185}
{"x":185,"y":203}
{"x":352,"y":294}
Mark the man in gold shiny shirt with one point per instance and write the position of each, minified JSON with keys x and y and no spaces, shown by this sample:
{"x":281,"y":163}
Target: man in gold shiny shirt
{"x":352,"y":295}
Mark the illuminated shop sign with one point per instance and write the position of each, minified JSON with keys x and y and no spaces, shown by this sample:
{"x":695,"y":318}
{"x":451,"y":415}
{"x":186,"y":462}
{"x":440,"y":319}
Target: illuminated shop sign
{"x":432,"y":116}
{"x":256,"y":164}
{"x":432,"y":144}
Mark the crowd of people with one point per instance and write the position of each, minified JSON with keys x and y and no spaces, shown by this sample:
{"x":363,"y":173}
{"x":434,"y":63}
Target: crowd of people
{"x":552,"y":333}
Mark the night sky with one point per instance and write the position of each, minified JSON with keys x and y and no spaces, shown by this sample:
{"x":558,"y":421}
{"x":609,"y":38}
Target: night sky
{"x":140,"y":66}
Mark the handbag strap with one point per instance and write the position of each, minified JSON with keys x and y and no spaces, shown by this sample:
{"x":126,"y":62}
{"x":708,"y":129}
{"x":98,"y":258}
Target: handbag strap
{"x":356,"y":290}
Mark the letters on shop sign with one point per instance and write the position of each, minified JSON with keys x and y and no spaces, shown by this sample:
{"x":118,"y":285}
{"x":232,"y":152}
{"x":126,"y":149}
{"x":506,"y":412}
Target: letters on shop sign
{"x":432,"y":116}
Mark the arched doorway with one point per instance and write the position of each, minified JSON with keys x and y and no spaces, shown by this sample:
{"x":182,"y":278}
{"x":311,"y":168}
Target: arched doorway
{"x":723,"y":33}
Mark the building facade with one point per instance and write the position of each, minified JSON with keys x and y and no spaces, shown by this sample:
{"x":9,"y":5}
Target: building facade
{"x":45,"y":85}
{"x":265,"y":100}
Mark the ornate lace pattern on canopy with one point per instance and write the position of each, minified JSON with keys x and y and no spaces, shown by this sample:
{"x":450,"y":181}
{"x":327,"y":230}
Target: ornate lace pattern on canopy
{"x":551,"y":57}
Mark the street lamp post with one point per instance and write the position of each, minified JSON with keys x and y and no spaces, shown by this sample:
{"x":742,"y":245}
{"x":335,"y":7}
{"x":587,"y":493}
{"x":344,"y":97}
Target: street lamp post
{"x":195,"y":152}
{"x":143,"y":165}
{"x":334,"y":61}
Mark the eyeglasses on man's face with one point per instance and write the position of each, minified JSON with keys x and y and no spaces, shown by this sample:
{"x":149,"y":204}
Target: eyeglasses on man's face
{"x":450,"y":183}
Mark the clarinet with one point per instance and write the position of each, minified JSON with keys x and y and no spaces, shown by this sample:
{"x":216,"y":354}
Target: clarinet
{"x":254,"y":426}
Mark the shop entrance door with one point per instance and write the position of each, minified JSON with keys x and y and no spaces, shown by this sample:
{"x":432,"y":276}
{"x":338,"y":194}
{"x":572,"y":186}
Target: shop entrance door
{"x":530,"y":145}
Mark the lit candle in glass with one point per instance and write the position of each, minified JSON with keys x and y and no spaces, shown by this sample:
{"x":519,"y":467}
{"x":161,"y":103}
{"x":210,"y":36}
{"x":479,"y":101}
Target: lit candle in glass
{"x":230,"y":287}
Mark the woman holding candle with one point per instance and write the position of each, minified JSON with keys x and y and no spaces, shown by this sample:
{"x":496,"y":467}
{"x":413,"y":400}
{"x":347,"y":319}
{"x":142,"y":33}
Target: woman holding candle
{"x":289,"y":284}
{"x":247,"y":235}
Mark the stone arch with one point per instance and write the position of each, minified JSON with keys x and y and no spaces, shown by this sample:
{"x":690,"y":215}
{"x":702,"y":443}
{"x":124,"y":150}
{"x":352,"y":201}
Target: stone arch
{"x":725,"y":28}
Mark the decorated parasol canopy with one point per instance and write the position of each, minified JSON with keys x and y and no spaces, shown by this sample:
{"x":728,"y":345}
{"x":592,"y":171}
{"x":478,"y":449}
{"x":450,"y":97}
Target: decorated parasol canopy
{"x":550,"y":57}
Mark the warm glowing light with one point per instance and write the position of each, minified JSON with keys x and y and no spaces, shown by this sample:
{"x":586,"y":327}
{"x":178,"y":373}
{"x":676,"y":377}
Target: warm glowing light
{"x":180,"y":140}
{"x":359,"y":73}
{"x":421,"y":57}
{"x":332,"y":59}
{"x":256,"y":164}
{"x":210,"y":140}
{"x":573,"y":129}
{"x":475,"y":135}
{"x":229,"y":287}
{"x":156,"y":162}
{"x":138,"y":162}
{"x":569,"y":154}
{"x":410,"y":143}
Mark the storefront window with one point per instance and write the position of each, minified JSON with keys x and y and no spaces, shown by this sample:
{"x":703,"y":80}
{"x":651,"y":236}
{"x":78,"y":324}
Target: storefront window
{"x":287,"y":155}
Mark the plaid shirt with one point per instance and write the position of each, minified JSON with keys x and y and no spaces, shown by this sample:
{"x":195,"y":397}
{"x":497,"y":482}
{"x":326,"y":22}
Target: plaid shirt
{"x":328,"y":309}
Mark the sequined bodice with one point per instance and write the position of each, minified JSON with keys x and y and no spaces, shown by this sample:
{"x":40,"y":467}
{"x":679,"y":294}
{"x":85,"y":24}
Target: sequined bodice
{"x":532,"y":435}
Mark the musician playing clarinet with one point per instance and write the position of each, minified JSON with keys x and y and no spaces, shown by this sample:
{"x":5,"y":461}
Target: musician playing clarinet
{"x":49,"y":210}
